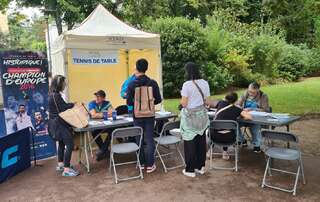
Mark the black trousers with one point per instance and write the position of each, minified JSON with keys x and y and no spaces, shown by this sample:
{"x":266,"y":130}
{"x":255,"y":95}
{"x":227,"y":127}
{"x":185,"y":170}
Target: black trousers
{"x":195,"y":153}
{"x":147,"y":124}
{"x":65,"y":151}
{"x":103,"y":145}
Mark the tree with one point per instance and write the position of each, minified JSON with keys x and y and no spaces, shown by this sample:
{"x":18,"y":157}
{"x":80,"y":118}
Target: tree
{"x":69,"y":11}
{"x":297,"y":17}
{"x":182,"y":41}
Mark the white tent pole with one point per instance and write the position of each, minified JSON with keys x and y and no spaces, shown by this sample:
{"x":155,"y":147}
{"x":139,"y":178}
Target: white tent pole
{"x":127,"y":62}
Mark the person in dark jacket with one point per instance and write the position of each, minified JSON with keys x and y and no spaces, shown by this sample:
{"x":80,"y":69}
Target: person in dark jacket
{"x":146,"y":123}
{"x":59,"y":130}
{"x":228,"y":110}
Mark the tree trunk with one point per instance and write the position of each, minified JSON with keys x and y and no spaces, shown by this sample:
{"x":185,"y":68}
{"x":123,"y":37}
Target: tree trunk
{"x":58,"y":20}
{"x":57,"y":15}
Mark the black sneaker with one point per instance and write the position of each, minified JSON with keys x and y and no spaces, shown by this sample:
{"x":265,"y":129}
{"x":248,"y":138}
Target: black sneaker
{"x":101,"y":155}
{"x":256,"y":150}
{"x":243,"y":143}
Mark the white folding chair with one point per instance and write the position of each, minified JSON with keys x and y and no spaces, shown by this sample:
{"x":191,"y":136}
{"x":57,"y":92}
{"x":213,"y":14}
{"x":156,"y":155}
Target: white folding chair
{"x":126,"y":148}
{"x":166,"y":140}
{"x":282,"y":153}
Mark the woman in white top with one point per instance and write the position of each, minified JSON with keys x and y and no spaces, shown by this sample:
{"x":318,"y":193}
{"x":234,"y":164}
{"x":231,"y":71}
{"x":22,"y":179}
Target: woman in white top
{"x":194,"y":120}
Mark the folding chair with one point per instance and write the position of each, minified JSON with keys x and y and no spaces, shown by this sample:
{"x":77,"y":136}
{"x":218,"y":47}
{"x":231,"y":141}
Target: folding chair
{"x":165,"y":140}
{"x":282,"y":153}
{"x":224,"y":125}
{"x":125,"y":148}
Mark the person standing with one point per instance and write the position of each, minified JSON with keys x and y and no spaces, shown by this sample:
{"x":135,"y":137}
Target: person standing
{"x":194,"y":120}
{"x":59,"y":130}
{"x":254,"y":100}
{"x":146,"y":123}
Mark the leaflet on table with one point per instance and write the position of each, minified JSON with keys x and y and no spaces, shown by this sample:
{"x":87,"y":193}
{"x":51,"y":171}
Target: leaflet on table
{"x":107,"y":122}
{"x":257,"y":113}
{"x":163,"y":113}
{"x":93,"y":123}
{"x":280,"y":116}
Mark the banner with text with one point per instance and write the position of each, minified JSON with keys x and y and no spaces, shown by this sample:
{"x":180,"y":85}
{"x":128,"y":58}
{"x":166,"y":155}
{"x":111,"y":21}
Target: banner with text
{"x":91,"y":57}
{"x":24,"y":77}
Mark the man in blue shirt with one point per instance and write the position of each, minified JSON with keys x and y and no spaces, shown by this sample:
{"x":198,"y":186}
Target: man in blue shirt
{"x":125,"y":85}
{"x":254,"y":100}
{"x":96,"y":109}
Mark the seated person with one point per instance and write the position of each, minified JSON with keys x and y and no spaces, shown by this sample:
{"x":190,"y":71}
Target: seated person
{"x":96,"y":109}
{"x":254,"y":100}
{"x":227,"y":110}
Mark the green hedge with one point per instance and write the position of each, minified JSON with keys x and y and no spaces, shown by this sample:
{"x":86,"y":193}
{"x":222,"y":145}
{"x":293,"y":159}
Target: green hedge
{"x":229,"y":54}
{"x":182,"y":40}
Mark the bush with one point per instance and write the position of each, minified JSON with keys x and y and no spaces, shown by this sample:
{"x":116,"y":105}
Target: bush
{"x":293,"y":63}
{"x":314,"y":61}
{"x":238,"y":65}
{"x":218,"y":77}
{"x":218,"y":42}
{"x":182,"y":40}
{"x":266,"y":51}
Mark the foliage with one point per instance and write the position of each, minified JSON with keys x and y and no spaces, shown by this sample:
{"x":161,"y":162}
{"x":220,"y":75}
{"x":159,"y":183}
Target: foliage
{"x":266,"y":51}
{"x":182,"y":40}
{"x":218,"y":77}
{"x":296,"y":17}
{"x":314,"y":61}
{"x":238,"y":65}
{"x":293,"y":63}
{"x":23,"y":34}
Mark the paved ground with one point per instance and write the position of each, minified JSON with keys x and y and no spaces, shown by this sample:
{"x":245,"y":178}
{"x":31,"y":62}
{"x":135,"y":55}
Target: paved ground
{"x":44,"y":184}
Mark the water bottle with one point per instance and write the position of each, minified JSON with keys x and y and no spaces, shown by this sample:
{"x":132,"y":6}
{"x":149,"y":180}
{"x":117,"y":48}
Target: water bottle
{"x":105,"y":115}
{"x":130,"y":111}
{"x":114,"y":115}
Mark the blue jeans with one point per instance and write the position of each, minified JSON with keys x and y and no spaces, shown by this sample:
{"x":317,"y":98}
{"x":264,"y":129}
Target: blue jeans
{"x":255,"y":130}
{"x":147,"y":124}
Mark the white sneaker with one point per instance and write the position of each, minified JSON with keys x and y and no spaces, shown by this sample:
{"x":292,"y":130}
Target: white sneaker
{"x":188,"y":174}
{"x":208,"y":154}
{"x":225,"y":155}
{"x":201,"y":172}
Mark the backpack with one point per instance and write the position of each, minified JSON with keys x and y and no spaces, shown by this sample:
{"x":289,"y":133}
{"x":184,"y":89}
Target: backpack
{"x":144,"y":102}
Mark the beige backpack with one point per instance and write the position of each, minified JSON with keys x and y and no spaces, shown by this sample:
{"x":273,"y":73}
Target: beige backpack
{"x":144,"y":102}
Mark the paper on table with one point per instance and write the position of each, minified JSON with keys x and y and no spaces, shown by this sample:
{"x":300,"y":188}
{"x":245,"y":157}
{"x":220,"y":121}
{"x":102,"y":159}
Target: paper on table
{"x":256,"y":113}
{"x":273,"y":120}
{"x":280,"y":116}
{"x":107,"y":122}
{"x":128,"y":119}
{"x":93,"y":123}
{"x":163,"y":113}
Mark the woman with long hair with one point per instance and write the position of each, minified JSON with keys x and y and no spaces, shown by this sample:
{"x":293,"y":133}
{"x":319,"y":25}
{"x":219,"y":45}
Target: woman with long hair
{"x":194,"y":120}
{"x":59,"y":130}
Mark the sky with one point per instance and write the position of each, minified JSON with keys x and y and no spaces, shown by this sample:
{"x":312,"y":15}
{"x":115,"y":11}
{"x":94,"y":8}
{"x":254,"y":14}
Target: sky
{"x":29,"y":12}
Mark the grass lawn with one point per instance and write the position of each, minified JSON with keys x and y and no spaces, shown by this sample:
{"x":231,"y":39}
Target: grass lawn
{"x":295,"y":98}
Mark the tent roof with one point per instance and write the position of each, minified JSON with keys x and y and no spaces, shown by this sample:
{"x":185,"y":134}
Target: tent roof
{"x":102,"y":23}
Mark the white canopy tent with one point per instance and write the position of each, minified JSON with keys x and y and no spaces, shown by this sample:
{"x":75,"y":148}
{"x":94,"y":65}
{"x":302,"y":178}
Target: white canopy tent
{"x":102,"y":31}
